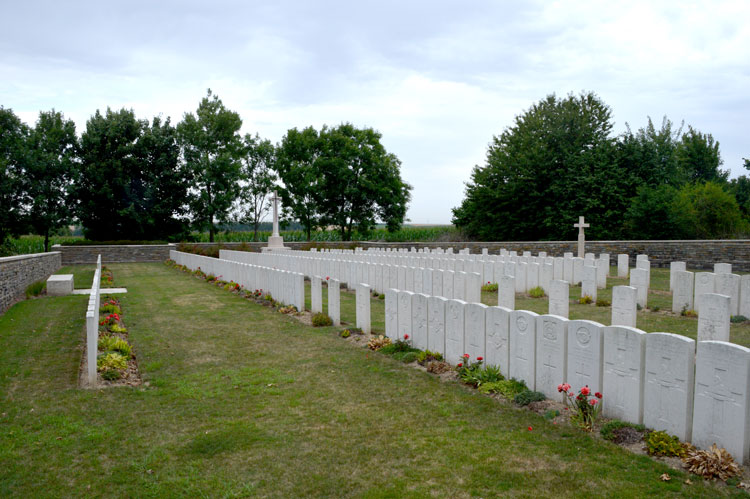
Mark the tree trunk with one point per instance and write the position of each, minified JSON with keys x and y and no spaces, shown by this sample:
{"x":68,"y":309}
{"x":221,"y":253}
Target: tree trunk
{"x":46,"y":240}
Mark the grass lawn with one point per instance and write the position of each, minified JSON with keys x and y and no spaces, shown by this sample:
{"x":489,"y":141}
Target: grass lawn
{"x":243,"y":401}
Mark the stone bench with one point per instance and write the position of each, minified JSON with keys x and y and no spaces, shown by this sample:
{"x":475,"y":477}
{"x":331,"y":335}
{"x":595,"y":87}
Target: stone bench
{"x":60,"y":285}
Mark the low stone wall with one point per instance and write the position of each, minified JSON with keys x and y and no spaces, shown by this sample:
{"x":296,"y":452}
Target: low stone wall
{"x":700,"y":254}
{"x":17,"y":272}
{"x":114,"y":254}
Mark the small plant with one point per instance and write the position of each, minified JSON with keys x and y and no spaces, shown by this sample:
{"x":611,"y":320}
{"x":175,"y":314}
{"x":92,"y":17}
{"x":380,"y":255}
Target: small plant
{"x":586,"y":300}
{"x":268,"y":297}
{"x":116,"y":328}
{"x":209,"y":277}
{"x":660,"y":443}
{"x":427,"y":356}
{"x":686,"y":312}
{"x":407,"y":357}
{"x":527,"y":396}
{"x":712,"y":463}
{"x":438,"y":367}
{"x":536,"y":292}
{"x":638,"y":306}
{"x":35,"y":289}
{"x":109,"y":343}
{"x":475,"y":374}
{"x":400,"y":345}
{"x":508,"y":388}
{"x":345,"y":333}
{"x":110,"y":320}
{"x":490,"y":287}
{"x":110,"y":307}
{"x":321,"y":320}
{"x":378,"y":342}
{"x":601,"y":302}
{"x":655,"y":309}
{"x":585,"y":409}
{"x":112,"y":360}
{"x":291,"y":309}
{"x":551,"y":414}
{"x":736,"y":319}
{"x":381,"y":297}
{"x":612,"y":430}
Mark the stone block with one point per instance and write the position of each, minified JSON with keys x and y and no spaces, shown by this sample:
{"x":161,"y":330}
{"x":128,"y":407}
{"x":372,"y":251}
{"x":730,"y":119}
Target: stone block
{"x":585,"y":353}
{"x":551,"y":354}
{"x":523,"y":346}
{"x":624,"y":356}
{"x":454,"y":330}
{"x":60,"y":284}
{"x":497,"y":333}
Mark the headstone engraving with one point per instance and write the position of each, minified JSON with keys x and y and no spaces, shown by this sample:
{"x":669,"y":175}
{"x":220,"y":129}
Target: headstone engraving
{"x":713,"y":317}
{"x":363,"y":308}
{"x":523,"y":346}
{"x":436,"y":324}
{"x":585,"y":352}
{"x":624,"y":306}
{"x":506,"y":292}
{"x":551,"y":354}
{"x":474,"y":330}
{"x":454,"y":330}
{"x":419,"y":321}
{"x":497,"y":327}
{"x":404,"y":314}
{"x":705,"y":282}
{"x":624,"y":352}
{"x":623,"y":261}
{"x":559,"y":298}
{"x":682,"y":293}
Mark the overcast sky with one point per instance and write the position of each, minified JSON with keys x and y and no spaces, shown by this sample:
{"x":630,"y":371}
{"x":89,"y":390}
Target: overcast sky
{"x":438,"y":79}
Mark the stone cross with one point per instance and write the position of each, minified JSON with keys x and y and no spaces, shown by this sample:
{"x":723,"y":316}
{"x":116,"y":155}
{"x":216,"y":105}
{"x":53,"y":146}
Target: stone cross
{"x":581,"y":237}
{"x":275,"y":199}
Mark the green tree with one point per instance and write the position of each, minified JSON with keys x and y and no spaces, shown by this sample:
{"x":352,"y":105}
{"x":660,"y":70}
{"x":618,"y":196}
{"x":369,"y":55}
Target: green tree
{"x":53,"y":150}
{"x":706,"y":211}
{"x":361,"y":181}
{"x":258,"y":177}
{"x":649,"y":155}
{"x":212,"y":147}
{"x":130,"y":184}
{"x":13,"y":137}
{"x":740,"y":187}
{"x":297,"y":155}
{"x":698,"y":158}
{"x":650,"y":215}
{"x":555,"y":163}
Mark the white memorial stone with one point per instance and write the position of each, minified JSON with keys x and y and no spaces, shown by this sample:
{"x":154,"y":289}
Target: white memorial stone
{"x":729,"y":285}
{"x":419,"y":321}
{"x":523,"y":346}
{"x":473,"y":284}
{"x":60,"y":284}
{"x":624,"y":355}
{"x":581,"y":236}
{"x":722,"y":404}
{"x":506,"y":292}
{"x":449,"y":280}
{"x":705,"y":282}
{"x":639,"y":279}
{"x":363,"y":308}
{"x":588,"y":281}
{"x":404,"y":314}
{"x":459,"y":286}
{"x":454,"y":330}
{"x":624,"y":299}
{"x":559,"y":298}
{"x":669,"y":383}
{"x":437,"y":283}
{"x":316,"y":294}
{"x":497,"y":350}
{"x":722,"y":268}
{"x":474,"y":330}
{"x":577,"y":271}
{"x":532,"y":275}
{"x":334,"y":301}
{"x":521,"y":274}
{"x":602,"y":271}
{"x":745,"y":295}
{"x":673,"y":267}
{"x":682,"y":293}
{"x":436,"y":324}
{"x":713,"y":317}
{"x":585,"y":352}
{"x":546,"y":275}
{"x":551,"y":354}
{"x":623,"y":263}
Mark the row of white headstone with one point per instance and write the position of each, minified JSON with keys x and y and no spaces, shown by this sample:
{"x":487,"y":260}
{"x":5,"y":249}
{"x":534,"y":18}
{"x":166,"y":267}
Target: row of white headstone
{"x":687,"y":287}
{"x":92,"y":323}
{"x":656,"y":379}
{"x":285,"y":287}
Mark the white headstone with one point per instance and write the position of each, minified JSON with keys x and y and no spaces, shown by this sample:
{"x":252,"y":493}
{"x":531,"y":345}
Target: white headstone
{"x":639,"y":279}
{"x":705,"y":282}
{"x":436,"y":324}
{"x":682,"y":293}
{"x":401,"y":276}
{"x":506,"y":292}
{"x":546,"y":275}
{"x":622,"y":265}
{"x":419,"y":321}
{"x":437,"y":283}
{"x":668,"y":385}
{"x":729,"y":285}
{"x":624,"y":355}
{"x":602,"y":271}
{"x":624,"y":306}
{"x":316,"y":294}
{"x":551,"y":354}
{"x":523,"y":346}
{"x":474,"y":330}
{"x":673,"y":267}
{"x":427,"y":282}
{"x":559,"y":298}
{"x":585,"y":352}
{"x":713,"y":317}
{"x":521,"y":274}
{"x":363,"y":308}
{"x":404,"y":314}
{"x":449,"y":281}
{"x":588,"y":281}
{"x":497,"y":338}
{"x":391,"y":313}
{"x":532,"y":275}
{"x":334,"y":301}
{"x":577,"y":271}
{"x":459,"y":286}
{"x":473,"y":291}
{"x":722,"y":404}
{"x":557,"y":270}
{"x":454,"y":330}
{"x":722,"y":268}
{"x":745,"y":295}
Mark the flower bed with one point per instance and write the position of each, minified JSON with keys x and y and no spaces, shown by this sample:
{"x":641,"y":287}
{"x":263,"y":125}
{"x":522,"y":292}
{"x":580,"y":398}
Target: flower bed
{"x":116,"y":361}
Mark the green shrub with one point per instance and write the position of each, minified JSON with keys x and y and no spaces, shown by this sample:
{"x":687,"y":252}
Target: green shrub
{"x":115,"y":328}
{"x":110,"y":374}
{"x":398,"y":346}
{"x":111,"y":360}
{"x":608,"y":429}
{"x":655,"y":309}
{"x":508,"y":388}
{"x":428,"y":356}
{"x":688,"y":313}
{"x":407,"y":357}
{"x":526,"y":397}
{"x":110,"y":309}
{"x":738,"y":318}
{"x":345,"y":333}
{"x":381,"y":297}
{"x":109,"y":343}
{"x":35,"y":289}
{"x":490,"y":287}
{"x":536,"y":292}
{"x":601,"y":302}
{"x":660,"y":443}
{"x":586,"y":300}
{"x":551,"y":414}
{"x":477,"y":375}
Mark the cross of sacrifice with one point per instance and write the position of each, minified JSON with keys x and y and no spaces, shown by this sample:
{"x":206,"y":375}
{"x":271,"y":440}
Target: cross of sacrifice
{"x":275,"y":199}
{"x":581,"y":237}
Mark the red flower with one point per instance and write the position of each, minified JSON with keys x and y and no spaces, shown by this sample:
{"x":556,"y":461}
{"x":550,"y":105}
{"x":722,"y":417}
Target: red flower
{"x":585,"y":390}
{"x":565,"y":387}
{"x":598,"y":395}
{"x":406,"y":336}
{"x":466,"y":356}
{"x":530,"y":428}
{"x":559,"y":388}
{"x":593,"y":401}
{"x":480,"y":358}
{"x":327,"y":277}
{"x":459,"y":365}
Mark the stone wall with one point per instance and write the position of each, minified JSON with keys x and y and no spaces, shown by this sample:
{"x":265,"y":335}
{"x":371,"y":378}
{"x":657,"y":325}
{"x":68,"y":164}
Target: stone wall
{"x":114,"y":254}
{"x":701,"y":254}
{"x":17,"y":272}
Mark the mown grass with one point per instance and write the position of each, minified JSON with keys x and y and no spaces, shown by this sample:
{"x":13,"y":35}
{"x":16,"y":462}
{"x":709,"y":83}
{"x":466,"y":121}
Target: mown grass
{"x":647,"y":320}
{"x":243,"y":401}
